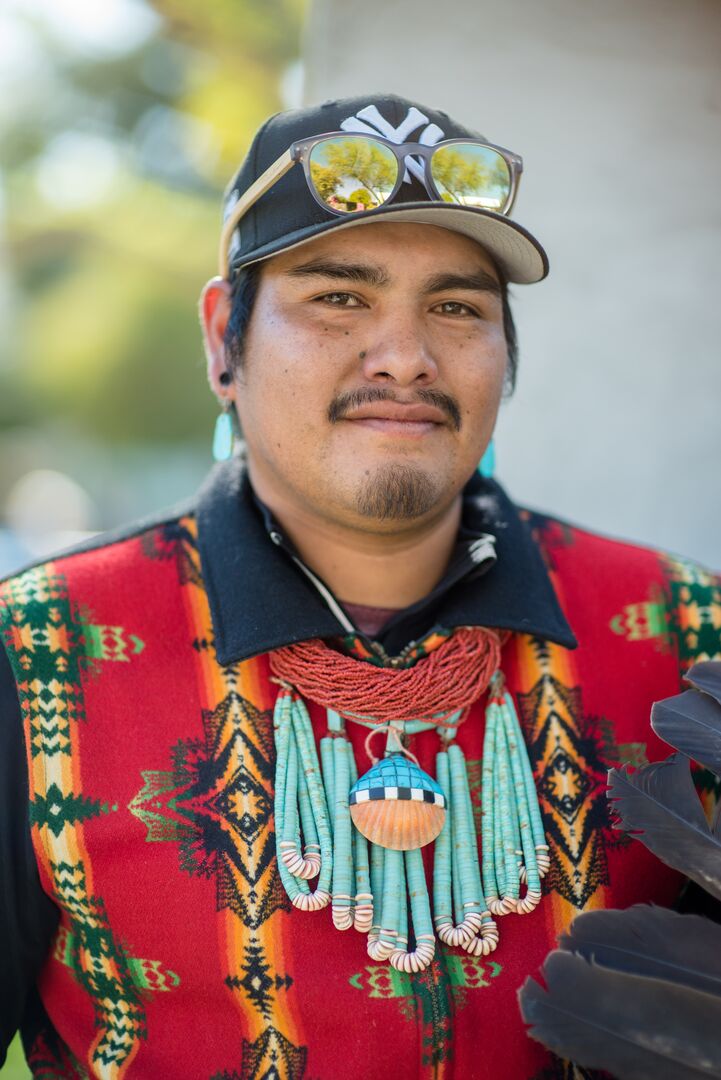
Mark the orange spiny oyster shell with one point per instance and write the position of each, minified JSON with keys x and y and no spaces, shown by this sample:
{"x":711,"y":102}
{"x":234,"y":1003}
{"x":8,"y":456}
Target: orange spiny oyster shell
{"x":403,"y":826}
{"x":397,"y":805}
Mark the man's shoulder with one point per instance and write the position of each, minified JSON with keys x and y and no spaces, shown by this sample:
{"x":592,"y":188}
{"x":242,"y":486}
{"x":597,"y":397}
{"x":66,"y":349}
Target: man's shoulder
{"x":640,"y":592}
{"x":565,"y":543}
{"x":115,"y":548}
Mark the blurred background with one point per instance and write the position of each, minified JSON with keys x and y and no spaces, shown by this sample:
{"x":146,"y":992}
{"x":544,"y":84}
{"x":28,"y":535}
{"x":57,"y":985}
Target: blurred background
{"x":121,"y":121}
{"x":120,"y":124}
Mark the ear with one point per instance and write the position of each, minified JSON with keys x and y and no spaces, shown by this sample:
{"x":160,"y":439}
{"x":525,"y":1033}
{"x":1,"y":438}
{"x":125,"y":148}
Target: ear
{"x":215,"y":305}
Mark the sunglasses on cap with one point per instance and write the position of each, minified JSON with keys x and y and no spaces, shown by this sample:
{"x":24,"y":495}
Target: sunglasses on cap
{"x":352,"y":173}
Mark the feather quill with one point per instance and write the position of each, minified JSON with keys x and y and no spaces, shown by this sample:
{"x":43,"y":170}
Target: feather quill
{"x":650,"y":941}
{"x":659,"y":805}
{"x":706,"y":676}
{"x":631,"y":1026}
{"x":691,"y":722}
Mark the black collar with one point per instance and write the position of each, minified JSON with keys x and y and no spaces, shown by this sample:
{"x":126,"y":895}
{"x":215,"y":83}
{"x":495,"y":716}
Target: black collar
{"x":261,"y":599}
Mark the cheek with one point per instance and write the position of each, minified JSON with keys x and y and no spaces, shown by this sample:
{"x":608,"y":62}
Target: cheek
{"x":286,"y":388}
{"x":480,"y":373}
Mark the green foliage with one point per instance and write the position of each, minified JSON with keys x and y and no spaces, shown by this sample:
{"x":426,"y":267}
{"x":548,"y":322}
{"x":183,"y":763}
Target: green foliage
{"x":338,"y":163}
{"x":460,"y":175}
{"x":325,"y":179}
{"x":361,"y":196}
{"x":104,"y":333}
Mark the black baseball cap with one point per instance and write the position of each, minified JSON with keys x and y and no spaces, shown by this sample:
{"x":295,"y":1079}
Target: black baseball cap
{"x":287,"y":215}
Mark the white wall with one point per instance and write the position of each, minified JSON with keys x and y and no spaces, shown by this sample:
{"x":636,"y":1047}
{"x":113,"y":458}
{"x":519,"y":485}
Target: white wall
{"x":616,"y":109}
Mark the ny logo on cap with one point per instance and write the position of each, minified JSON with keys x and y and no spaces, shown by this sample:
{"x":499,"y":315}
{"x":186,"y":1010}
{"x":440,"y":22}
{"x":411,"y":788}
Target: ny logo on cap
{"x":369,"y":121}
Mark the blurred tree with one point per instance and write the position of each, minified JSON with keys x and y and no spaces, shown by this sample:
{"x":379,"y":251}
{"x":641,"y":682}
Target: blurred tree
{"x":113,"y":163}
{"x":461,"y":175}
{"x":326,"y":180}
{"x":361,"y":196}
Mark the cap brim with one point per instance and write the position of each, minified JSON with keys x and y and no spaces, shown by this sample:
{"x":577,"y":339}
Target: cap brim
{"x":518,"y":254}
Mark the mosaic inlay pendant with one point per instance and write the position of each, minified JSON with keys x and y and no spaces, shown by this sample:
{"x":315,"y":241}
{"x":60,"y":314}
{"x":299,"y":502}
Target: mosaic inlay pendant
{"x":397,"y":805}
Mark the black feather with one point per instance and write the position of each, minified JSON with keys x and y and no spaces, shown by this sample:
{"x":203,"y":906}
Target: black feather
{"x":651,"y":941}
{"x":706,"y":676}
{"x":631,"y":1026}
{"x":691,"y":722}
{"x":659,"y":804}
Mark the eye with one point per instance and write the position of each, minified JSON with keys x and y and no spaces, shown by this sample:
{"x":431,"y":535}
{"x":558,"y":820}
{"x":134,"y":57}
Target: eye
{"x":455,"y":307}
{"x":339,"y":299}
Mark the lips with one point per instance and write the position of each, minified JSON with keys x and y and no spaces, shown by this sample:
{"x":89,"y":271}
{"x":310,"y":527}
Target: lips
{"x":397,"y":413}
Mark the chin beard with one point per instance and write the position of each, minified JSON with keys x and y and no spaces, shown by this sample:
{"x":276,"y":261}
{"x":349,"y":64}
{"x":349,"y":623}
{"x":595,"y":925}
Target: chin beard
{"x":397,"y":492}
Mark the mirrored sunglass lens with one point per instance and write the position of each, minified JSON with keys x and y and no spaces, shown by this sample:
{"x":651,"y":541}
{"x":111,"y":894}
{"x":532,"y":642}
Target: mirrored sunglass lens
{"x":471,"y":175}
{"x":353,"y":174}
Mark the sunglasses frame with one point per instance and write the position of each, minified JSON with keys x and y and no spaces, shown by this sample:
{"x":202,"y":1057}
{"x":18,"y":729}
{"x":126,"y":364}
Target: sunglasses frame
{"x":300,"y":151}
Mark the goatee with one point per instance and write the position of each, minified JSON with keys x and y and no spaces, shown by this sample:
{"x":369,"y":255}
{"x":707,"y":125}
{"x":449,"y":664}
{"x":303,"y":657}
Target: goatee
{"x":397,"y":492}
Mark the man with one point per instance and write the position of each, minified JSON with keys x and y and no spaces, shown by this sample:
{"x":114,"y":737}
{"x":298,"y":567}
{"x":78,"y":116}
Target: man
{"x":147,"y":923}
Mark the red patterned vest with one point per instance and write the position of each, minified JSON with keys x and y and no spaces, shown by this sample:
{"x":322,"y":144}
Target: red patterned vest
{"x":151,"y":782}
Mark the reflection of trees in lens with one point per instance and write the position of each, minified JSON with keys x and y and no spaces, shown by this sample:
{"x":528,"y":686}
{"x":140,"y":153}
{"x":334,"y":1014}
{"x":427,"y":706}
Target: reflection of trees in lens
{"x":463,"y":177}
{"x":324,"y":180}
{"x":361,"y":196}
{"x":354,"y":162}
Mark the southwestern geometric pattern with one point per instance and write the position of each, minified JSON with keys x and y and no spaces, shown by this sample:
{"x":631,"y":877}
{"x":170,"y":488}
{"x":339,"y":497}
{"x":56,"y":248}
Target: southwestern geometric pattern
{"x":645,"y":620}
{"x":258,"y":983}
{"x":216,"y":803}
{"x":48,"y":644}
{"x":101,"y":965}
{"x":695,"y":611}
{"x":464,"y":972}
{"x":270,"y":1057}
{"x":435,"y":993}
{"x":564,"y":748}
{"x":148,"y":975}
{"x":56,"y":810}
{"x":692,"y":619}
{"x":431,"y":997}
{"x":685,"y":618}
{"x":175,"y":541}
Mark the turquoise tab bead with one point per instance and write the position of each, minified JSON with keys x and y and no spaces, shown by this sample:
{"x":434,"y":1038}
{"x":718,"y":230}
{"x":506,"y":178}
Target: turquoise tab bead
{"x":487,"y":464}
{"x":223,"y":437}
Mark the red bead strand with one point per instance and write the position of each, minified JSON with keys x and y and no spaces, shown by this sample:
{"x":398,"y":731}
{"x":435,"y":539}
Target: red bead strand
{"x":450,"y":678}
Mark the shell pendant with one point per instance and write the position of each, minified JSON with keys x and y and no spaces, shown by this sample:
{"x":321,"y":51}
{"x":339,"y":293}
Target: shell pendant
{"x":397,"y":805}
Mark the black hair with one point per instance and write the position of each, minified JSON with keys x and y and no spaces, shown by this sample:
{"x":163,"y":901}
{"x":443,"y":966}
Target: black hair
{"x":245,"y":289}
{"x":243,"y":292}
{"x":509,"y":329}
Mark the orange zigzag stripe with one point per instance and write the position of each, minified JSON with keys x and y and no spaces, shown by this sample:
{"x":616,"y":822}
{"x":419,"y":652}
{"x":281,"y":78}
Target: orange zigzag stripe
{"x":233,"y":935}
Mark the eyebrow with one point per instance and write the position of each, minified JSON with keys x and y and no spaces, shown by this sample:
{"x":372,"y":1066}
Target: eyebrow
{"x":360,"y":273}
{"x":367,"y":274}
{"x":477,"y":281}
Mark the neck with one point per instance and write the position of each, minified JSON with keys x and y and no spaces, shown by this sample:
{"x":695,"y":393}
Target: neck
{"x":390,"y":569}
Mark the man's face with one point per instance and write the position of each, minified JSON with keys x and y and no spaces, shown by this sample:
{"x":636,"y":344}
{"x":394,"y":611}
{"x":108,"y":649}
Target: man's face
{"x":373,"y":370}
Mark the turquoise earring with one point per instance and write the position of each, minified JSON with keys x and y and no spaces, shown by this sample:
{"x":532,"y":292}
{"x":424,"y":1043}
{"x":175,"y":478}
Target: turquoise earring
{"x":226,"y":426}
{"x":224,"y":434}
{"x":487,"y":465}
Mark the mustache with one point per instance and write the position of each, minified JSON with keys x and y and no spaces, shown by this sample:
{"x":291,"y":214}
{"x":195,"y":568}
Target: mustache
{"x":367,"y":395}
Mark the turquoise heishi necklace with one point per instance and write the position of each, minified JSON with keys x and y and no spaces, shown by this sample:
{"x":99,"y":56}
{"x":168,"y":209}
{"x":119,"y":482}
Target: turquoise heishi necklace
{"x":361,"y":838}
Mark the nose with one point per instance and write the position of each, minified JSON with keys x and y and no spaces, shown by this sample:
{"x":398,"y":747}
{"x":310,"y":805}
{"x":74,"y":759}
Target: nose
{"x":399,"y":352}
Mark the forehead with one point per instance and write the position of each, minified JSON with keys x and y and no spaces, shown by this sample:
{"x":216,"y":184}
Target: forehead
{"x":404,"y":249}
